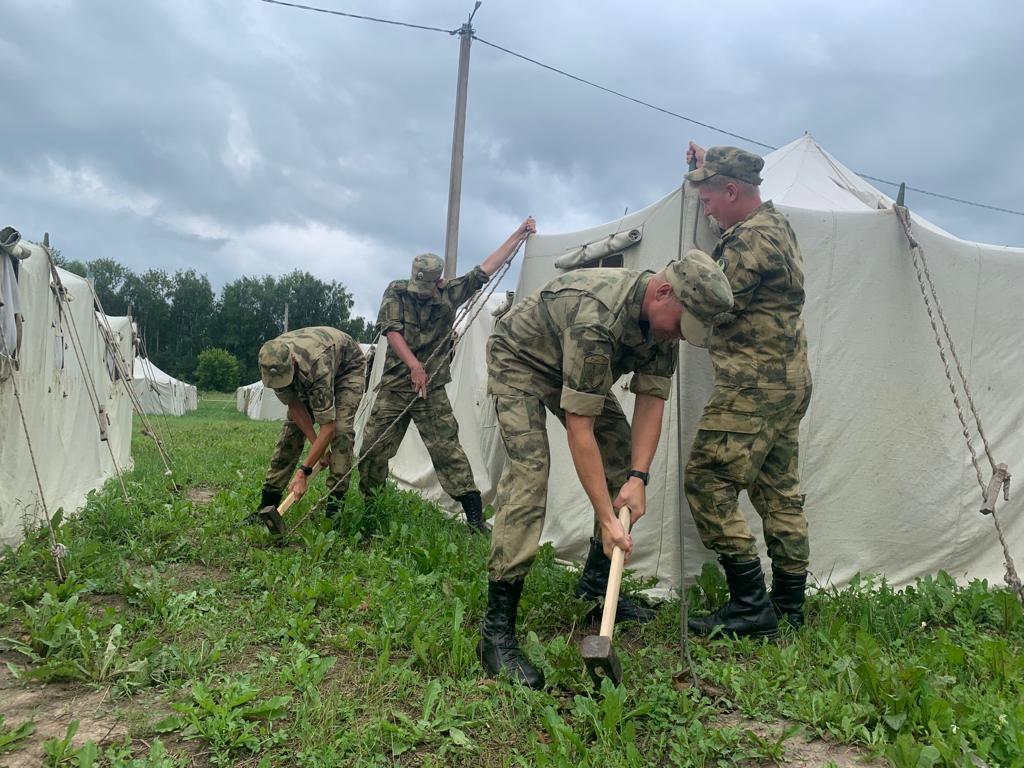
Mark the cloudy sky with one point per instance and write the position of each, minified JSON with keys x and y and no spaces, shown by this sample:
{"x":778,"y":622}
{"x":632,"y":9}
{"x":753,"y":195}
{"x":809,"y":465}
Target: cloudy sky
{"x":238,"y":137}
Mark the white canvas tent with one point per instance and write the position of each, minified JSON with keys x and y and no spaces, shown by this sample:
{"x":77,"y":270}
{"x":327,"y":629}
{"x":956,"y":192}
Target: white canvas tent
{"x":56,"y":391}
{"x":889,"y":483}
{"x":161,"y":393}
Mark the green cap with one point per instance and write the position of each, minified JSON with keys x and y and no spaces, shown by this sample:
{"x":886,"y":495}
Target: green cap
{"x":703,"y":289}
{"x":276,"y":369}
{"x":427,"y":269}
{"x":729,"y":161}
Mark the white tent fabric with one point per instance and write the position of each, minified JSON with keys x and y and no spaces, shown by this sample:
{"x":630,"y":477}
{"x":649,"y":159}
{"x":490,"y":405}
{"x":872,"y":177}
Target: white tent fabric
{"x":889,"y":483}
{"x":259,"y":402}
{"x":159,"y":392}
{"x":63,"y":426}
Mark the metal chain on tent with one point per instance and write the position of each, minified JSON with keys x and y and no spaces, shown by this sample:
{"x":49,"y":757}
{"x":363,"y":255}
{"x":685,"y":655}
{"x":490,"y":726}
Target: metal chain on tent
{"x":454,"y":337}
{"x":1000,"y":481}
{"x":57,"y":550}
{"x":64,"y":310}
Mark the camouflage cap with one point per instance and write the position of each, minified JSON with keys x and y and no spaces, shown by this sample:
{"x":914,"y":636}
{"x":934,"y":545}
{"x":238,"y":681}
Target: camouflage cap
{"x":427,"y":269}
{"x":276,"y":369}
{"x":703,"y":289}
{"x":729,"y":161}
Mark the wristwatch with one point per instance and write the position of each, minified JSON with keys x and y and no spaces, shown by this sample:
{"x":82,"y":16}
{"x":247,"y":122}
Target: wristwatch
{"x":307,"y":471}
{"x":645,"y":476}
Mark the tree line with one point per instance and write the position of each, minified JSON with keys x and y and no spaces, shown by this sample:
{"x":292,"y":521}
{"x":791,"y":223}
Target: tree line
{"x":179,"y":316}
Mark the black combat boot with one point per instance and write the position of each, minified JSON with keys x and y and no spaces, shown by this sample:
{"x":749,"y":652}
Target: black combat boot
{"x":788,"y":596}
{"x":593,"y":585}
{"x":498,"y":649}
{"x":749,"y":612}
{"x":269,"y":497}
{"x":473,"y":506}
{"x":334,"y":504}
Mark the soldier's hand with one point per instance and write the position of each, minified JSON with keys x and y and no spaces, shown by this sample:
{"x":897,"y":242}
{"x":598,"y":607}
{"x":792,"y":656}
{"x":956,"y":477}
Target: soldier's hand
{"x":612,"y":535}
{"x":419,"y":380}
{"x":298,"y":486}
{"x":695,"y":151}
{"x":634,"y":496}
{"x":528,"y":227}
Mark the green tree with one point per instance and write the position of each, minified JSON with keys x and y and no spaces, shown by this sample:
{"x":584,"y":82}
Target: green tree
{"x":217,"y":369}
{"x":190,"y":317}
{"x":107,"y":278}
{"x":147,"y":297}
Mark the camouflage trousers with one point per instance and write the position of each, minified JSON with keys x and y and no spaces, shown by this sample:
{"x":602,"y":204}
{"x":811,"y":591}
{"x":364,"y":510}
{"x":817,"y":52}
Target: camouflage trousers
{"x":748,"y":439}
{"x":523,"y":487}
{"x":348,"y":391}
{"x":438,"y":428}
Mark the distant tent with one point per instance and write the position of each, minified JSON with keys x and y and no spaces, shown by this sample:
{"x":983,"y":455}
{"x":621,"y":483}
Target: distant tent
{"x":161,"y":393}
{"x":79,"y":416}
{"x":890,"y":486}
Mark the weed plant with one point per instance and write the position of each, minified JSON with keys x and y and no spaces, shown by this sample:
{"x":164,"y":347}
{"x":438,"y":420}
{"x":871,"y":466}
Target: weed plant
{"x":353,"y":644}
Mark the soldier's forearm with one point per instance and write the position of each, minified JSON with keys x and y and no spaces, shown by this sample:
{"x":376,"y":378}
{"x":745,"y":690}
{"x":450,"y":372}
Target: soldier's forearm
{"x":492,"y":263}
{"x":323,"y":439}
{"x":299,"y":415}
{"x":586,"y":456}
{"x":646,"y":430}
{"x":397,"y":342}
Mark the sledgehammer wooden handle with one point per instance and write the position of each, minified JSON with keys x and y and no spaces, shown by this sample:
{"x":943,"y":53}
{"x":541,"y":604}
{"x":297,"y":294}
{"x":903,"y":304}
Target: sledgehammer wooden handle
{"x":290,"y":498}
{"x":611,"y":597}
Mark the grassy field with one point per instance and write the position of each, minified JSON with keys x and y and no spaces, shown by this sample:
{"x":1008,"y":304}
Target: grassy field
{"x":181,"y":639}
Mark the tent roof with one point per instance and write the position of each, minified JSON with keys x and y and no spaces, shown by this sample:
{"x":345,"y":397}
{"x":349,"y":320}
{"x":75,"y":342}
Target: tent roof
{"x":143,"y":368}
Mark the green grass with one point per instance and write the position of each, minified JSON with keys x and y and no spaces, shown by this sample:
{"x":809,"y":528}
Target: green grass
{"x":354,"y":645}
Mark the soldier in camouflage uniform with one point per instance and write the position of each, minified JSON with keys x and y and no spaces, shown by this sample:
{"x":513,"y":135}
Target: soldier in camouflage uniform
{"x":417,"y":317}
{"x":747,"y":437}
{"x":561,"y":350}
{"x":318,"y":373}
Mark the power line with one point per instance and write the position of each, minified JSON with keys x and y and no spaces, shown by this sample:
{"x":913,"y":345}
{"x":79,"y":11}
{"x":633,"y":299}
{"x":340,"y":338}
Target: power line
{"x":633,"y":99}
{"x":624,"y":96}
{"x":357,"y":16}
{"x":716,"y":129}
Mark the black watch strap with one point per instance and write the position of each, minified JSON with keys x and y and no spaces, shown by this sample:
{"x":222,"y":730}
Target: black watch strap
{"x":645,"y":476}
{"x":307,"y":471}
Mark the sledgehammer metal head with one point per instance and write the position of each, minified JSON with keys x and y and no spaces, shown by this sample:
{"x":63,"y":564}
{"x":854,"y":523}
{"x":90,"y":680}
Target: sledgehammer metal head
{"x":273,"y":520}
{"x":601,"y":660}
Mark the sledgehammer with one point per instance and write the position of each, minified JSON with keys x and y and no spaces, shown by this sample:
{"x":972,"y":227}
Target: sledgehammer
{"x":598,"y":652}
{"x":273,"y":517}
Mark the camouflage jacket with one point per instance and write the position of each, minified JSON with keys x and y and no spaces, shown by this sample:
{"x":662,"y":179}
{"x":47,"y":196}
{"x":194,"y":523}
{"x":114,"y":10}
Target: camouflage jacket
{"x":322,"y":354}
{"x":575,"y":337}
{"x":766,"y":345}
{"x":426,"y":325}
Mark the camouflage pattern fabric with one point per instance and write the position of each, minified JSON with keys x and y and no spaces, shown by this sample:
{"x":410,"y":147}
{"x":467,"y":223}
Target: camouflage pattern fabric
{"x":425,"y":324}
{"x":523,"y":486}
{"x":748,"y":439}
{"x":729,"y":161}
{"x":748,"y":434}
{"x":561,"y":350}
{"x":438,"y":428}
{"x":766,"y":345}
{"x":347,"y":386}
{"x":322,"y":354}
{"x":571,"y":340}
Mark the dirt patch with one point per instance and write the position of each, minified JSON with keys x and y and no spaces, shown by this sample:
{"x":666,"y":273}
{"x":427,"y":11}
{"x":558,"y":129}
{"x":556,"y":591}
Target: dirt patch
{"x":802,"y":751}
{"x":53,"y":706}
{"x":200,"y":494}
{"x":190,"y":574}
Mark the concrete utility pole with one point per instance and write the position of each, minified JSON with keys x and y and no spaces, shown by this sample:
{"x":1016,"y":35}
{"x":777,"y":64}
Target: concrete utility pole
{"x":451,"y":242}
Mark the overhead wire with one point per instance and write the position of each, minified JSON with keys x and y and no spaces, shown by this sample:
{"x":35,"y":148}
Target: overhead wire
{"x":358,"y":16}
